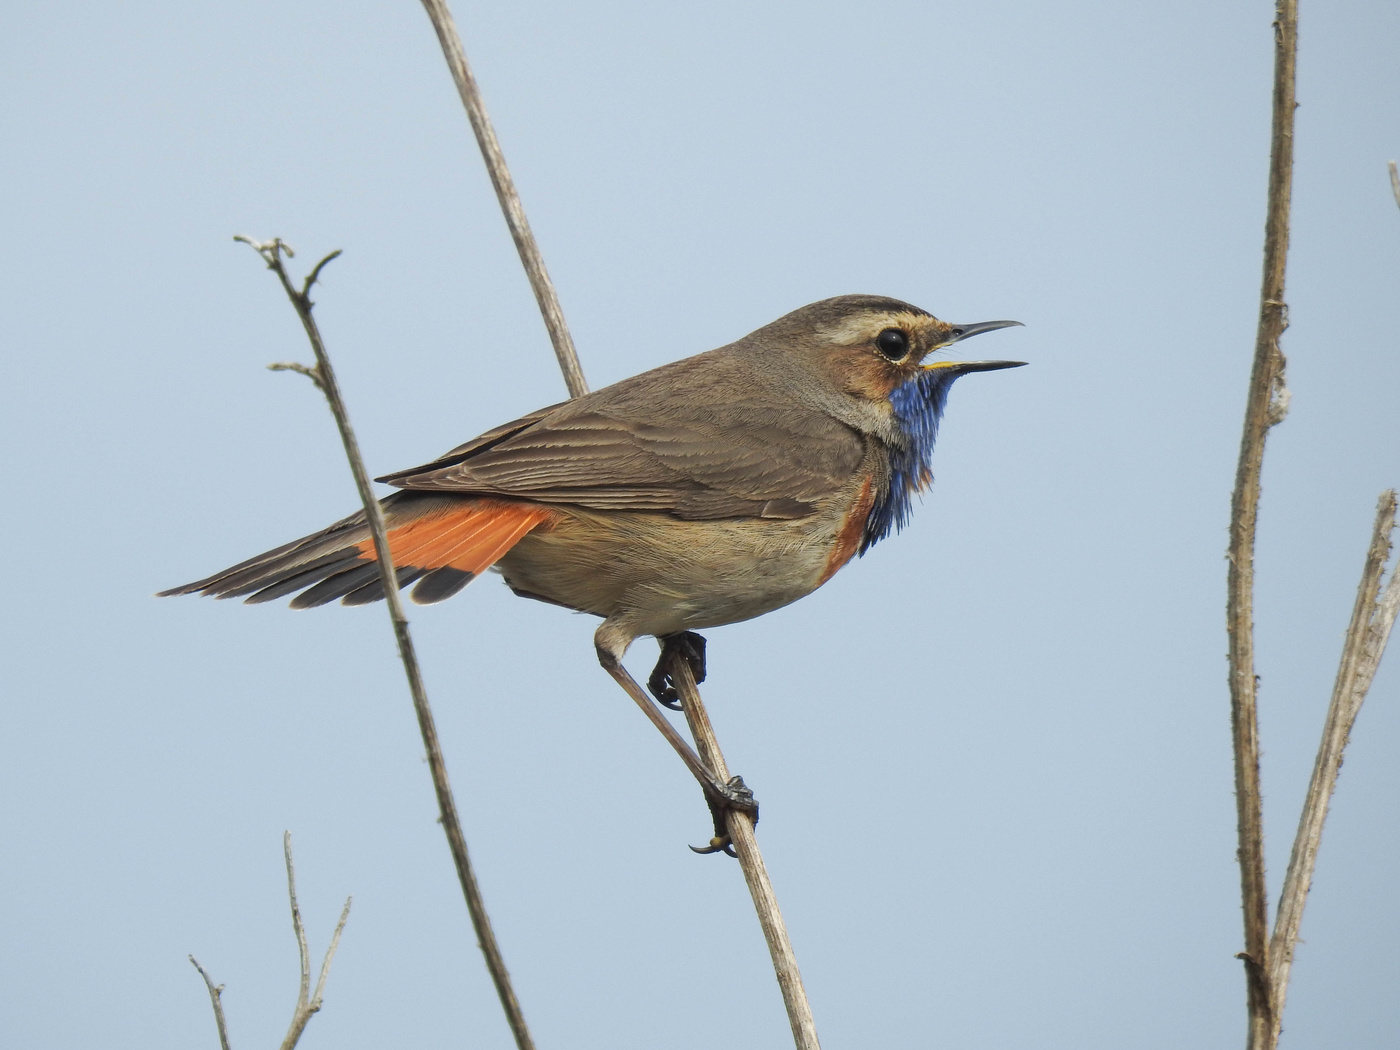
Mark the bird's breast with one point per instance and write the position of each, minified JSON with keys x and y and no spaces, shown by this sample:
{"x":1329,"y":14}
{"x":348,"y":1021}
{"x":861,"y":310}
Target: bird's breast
{"x":848,"y":539}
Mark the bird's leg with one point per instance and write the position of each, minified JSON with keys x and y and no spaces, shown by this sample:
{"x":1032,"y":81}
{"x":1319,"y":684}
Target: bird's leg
{"x":719,"y":795}
{"x":679,"y":658}
{"x":689,"y":646}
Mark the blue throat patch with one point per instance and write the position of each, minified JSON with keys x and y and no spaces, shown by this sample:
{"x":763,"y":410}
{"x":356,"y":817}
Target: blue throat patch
{"x":918,"y":405}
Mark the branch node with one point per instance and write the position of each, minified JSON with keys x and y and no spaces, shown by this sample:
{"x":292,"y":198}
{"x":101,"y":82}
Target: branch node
{"x":269,"y":250}
{"x":1279,"y":397}
{"x":310,"y":371}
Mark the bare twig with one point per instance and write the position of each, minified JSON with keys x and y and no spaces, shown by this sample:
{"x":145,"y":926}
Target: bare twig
{"x":1387,"y":607}
{"x":324,"y":375}
{"x":1395,"y":182}
{"x":1366,"y":637}
{"x":741,"y":834}
{"x":215,"y":994}
{"x":298,"y":928}
{"x":514,"y":212}
{"x":299,"y":369}
{"x":1266,"y":404}
{"x":306,"y":1004}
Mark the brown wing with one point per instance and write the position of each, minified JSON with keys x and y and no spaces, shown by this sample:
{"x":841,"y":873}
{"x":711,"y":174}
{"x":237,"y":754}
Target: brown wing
{"x":707,"y":437}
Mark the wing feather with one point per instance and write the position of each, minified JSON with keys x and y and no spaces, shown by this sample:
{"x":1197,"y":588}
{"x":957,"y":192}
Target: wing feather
{"x":708,"y":437}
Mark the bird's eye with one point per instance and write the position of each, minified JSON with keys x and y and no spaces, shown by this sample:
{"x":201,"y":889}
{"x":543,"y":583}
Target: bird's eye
{"x":893,"y":344}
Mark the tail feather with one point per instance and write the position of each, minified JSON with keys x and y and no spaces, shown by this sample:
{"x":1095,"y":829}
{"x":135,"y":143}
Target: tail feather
{"x":430,"y":540}
{"x":374,"y":590}
{"x":439,"y":585}
{"x":337,"y":586}
{"x":441,"y":541}
{"x":299,"y":578}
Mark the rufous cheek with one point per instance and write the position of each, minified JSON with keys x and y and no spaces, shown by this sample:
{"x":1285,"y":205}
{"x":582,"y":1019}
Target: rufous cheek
{"x":864,"y":375}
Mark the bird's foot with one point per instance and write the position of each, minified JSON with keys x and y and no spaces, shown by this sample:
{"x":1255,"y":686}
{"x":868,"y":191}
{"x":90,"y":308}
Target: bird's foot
{"x":691,"y":647}
{"x":736,"y":796}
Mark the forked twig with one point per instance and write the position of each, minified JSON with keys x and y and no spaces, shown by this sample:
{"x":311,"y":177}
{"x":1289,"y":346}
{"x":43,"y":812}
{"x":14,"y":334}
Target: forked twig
{"x":1266,"y":404}
{"x":307,"y":1004}
{"x":1372,"y":618}
{"x":324,"y":377}
{"x":1269,"y":958}
{"x":215,"y":998}
{"x":513,"y":210}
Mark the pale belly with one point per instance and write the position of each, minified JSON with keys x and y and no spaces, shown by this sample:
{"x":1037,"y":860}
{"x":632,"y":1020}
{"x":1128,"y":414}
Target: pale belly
{"x":653,"y":574}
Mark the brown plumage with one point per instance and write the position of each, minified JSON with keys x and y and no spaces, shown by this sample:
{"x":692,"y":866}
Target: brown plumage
{"x":703,"y":492}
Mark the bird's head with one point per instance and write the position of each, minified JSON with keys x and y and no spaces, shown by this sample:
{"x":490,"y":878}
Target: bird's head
{"x":869,"y":361}
{"x":876,"y":355}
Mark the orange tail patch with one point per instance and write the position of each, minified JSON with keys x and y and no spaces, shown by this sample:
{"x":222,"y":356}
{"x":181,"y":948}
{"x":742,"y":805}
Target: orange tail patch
{"x":444,"y":545}
{"x":440,"y":541}
{"x":467,"y":538}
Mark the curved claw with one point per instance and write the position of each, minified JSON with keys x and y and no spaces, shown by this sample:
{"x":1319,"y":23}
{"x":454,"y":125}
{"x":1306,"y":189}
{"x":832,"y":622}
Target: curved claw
{"x":659,"y":685}
{"x":737,"y":796}
{"x":690,"y":647}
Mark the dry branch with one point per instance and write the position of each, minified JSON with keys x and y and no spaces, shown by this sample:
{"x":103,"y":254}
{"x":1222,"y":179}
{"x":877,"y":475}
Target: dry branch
{"x":307,"y":1003}
{"x":1266,"y":404}
{"x":741,"y":834}
{"x":511,"y":207}
{"x":1371,"y":620}
{"x":1269,"y":959}
{"x":323,"y":375}
{"x":750,"y":858}
{"x":215,"y":999}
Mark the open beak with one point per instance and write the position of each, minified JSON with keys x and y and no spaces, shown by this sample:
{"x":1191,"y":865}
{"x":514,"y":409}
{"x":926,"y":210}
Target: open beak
{"x":966,"y":331}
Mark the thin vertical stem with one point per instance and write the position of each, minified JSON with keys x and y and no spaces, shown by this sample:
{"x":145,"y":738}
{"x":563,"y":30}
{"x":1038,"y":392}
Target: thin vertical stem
{"x":511,"y":207}
{"x":300,"y":1014}
{"x":324,"y":377}
{"x":1266,"y":404}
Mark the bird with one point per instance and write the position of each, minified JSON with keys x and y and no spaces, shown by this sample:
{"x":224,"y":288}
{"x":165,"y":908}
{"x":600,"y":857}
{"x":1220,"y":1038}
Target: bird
{"x":705,"y":492}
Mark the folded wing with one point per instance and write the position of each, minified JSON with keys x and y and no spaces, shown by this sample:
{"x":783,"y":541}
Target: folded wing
{"x":694,"y":439}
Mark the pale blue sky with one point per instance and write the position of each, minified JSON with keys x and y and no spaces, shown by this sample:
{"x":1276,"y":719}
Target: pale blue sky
{"x":993,"y":755}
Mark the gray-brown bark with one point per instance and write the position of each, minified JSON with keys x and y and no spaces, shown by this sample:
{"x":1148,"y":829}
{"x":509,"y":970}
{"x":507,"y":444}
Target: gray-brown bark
{"x":1267,"y":401}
